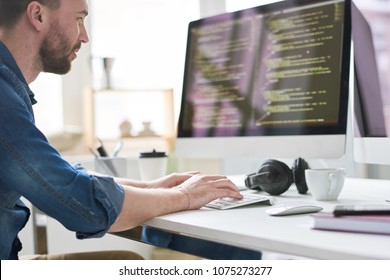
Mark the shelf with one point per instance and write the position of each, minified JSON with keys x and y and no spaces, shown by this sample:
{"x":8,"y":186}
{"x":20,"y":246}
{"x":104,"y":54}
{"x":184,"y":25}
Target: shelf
{"x":126,"y":114}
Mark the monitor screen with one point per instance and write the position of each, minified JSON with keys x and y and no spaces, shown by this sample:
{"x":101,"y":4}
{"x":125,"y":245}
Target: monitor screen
{"x":268,"y":81}
{"x":372,"y":127}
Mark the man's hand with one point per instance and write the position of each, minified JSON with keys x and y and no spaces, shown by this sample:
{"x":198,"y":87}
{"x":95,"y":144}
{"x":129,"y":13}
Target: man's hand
{"x":202,"y":189}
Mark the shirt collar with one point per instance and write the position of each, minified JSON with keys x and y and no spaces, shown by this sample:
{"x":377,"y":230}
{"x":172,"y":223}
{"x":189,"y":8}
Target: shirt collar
{"x":7,"y":58}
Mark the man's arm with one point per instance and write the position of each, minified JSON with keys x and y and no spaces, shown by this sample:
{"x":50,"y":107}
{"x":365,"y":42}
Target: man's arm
{"x":141,"y":205}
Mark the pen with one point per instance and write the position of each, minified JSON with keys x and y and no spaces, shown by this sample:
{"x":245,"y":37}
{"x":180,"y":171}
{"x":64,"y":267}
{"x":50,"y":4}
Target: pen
{"x":101,"y":150}
{"x":118,"y":148}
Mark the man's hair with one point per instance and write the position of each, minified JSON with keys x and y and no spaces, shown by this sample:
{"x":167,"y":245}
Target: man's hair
{"x":11,"y":10}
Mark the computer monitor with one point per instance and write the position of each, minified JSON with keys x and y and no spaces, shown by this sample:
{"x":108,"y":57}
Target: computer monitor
{"x":372,"y":128}
{"x":268,"y":81}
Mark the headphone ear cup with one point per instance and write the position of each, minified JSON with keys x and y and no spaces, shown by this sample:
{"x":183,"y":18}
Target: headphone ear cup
{"x":274,"y":177}
{"x":298,"y":171}
{"x":251,"y":182}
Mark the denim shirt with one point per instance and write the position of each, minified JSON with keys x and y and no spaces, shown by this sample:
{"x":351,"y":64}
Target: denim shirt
{"x":30,"y":167}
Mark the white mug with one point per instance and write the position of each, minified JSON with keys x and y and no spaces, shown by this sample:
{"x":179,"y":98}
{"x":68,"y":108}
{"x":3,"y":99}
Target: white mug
{"x":152,"y":165}
{"x":325,"y":184}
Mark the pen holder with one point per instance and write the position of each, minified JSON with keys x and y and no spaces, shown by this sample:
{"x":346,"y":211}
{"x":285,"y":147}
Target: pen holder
{"x":111,"y":166}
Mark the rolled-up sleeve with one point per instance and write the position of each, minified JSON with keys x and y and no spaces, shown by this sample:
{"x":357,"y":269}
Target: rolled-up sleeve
{"x":110,"y":195}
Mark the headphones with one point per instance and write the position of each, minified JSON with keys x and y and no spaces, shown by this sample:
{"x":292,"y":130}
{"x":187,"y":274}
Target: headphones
{"x":275,"y":177}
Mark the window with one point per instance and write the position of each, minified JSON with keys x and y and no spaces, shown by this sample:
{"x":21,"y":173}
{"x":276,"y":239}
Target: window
{"x":147,"y":40}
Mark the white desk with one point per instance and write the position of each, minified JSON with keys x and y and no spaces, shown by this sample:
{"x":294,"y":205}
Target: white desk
{"x":250,"y":227}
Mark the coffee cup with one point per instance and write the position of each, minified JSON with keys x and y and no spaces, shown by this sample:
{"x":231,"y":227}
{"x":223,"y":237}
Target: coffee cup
{"x":152,"y":165}
{"x":325,"y":184}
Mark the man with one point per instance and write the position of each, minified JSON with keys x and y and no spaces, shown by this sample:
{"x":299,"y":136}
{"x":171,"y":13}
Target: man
{"x":44,"y":36}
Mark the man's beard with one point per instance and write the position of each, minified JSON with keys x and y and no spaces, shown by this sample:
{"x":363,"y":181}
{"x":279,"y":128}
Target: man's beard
{"x":55,"y":51}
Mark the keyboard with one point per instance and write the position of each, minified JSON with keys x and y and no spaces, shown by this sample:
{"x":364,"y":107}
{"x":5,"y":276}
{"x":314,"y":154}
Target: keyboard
{"x":249,"y":198}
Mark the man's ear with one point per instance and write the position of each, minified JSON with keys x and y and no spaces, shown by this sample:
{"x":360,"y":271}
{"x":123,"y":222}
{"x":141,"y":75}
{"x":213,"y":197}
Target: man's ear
{"x":36,"y":15}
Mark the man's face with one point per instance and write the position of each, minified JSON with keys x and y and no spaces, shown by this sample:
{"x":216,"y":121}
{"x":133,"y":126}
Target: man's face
{"x":64,"y":38}
{"x":57,"y":51}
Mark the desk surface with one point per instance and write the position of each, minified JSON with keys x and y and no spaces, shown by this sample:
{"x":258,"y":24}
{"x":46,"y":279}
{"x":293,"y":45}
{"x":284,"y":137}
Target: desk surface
{"x":250,"y":227}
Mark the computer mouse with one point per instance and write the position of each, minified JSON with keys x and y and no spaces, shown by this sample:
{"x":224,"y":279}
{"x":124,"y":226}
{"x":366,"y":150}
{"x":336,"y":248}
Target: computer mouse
{"x":292,"y":208}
